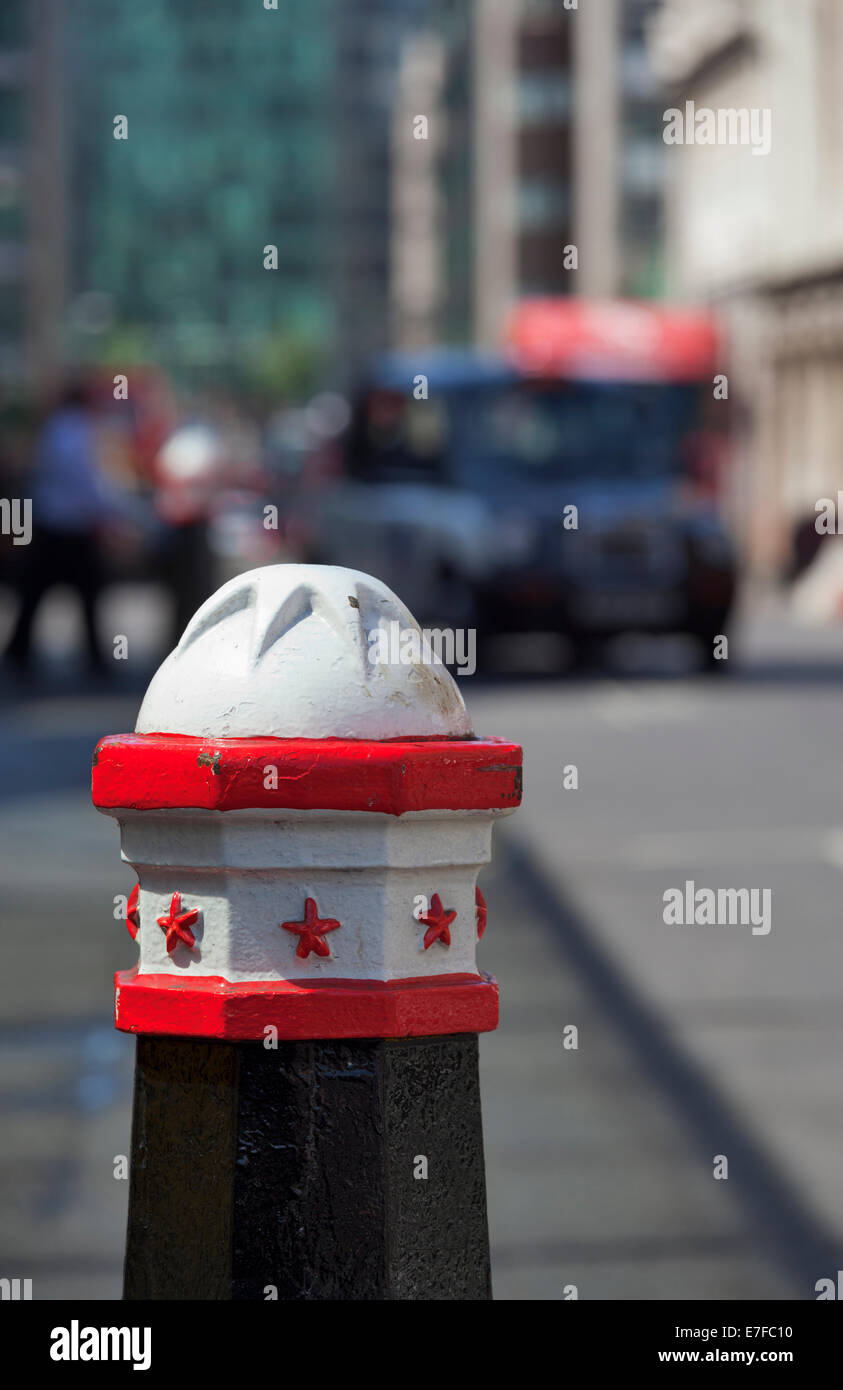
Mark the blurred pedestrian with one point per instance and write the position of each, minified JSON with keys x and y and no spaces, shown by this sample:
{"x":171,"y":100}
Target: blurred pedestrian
{"x":72,"y":500}
{"x":189,"y":470}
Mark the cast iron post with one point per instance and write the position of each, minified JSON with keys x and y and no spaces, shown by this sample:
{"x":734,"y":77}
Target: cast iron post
{"x":307,"y":809}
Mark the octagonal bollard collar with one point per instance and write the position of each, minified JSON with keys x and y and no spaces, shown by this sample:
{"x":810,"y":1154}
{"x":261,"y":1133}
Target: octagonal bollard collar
{"x":307,"y":822}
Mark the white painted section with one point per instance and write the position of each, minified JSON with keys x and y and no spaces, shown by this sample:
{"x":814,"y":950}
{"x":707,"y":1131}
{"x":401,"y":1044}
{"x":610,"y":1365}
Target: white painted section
{"x":284,"y":652}
{"x":248,"y":871}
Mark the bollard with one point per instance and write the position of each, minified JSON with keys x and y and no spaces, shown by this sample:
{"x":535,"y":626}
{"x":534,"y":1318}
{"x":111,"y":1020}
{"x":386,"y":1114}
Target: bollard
{"x":307,"y":823}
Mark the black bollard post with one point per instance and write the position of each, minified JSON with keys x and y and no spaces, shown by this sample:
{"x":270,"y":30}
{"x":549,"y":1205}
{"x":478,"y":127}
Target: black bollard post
{"x":302,"y":1165}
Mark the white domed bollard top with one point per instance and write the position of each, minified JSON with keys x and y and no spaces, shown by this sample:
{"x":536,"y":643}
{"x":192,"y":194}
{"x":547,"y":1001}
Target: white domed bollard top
{"x":286,"y":652}
{"x":307,"y":809}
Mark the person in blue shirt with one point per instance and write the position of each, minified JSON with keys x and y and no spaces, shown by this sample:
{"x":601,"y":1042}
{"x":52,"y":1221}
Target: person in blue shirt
{"x":72,"y":500}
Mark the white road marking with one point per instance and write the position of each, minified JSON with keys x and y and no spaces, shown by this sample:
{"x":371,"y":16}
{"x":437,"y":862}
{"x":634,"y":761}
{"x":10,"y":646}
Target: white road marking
{"x":687,"y":849}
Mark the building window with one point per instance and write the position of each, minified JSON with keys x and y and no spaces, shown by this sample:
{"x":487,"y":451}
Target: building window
{"x":642,"y":167}
{"x":543,"y":97}
{"x":13,"y":24}
{"x":11,"y":203}
{"x":11,"y":116}
{"x":542,"y":203}
{"x":11,"y":311}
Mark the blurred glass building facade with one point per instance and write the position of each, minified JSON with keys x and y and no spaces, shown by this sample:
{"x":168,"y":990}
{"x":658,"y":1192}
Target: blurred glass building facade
{"x":228,"y":150}
{"x":246,"y":127}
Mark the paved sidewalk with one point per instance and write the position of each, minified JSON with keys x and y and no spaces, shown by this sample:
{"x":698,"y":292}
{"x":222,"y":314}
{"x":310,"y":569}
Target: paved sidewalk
{"x":593,"y":1180}
{"x":729,"y":782}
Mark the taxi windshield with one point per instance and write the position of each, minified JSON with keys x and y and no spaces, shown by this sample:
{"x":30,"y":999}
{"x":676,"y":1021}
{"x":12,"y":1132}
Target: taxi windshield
{"x":598,"y":430}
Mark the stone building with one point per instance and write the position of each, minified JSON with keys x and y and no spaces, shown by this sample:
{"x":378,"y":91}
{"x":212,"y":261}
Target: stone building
{"x":760,"y":235}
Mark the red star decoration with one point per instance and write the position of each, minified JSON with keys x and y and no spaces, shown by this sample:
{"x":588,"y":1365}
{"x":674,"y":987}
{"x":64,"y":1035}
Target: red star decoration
{"x":438,"y":921}
{"x":311,"y":931}
{"x":481,"y":912}
{"x":177,"y":924}
{"x":132,"y":914}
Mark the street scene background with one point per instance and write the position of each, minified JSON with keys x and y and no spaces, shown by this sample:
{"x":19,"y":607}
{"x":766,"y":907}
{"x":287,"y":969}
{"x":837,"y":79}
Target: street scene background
{"x":396,"y":284}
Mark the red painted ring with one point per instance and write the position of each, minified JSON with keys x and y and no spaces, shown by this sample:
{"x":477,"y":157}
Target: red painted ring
{"x":210,"y":1007}
{"x":168,"y":771}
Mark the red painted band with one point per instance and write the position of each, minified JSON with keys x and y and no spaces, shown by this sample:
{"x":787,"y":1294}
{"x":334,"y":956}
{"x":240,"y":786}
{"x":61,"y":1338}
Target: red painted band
{"x":210,"y":1007}
{"x":167,"y":771}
